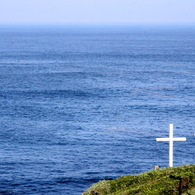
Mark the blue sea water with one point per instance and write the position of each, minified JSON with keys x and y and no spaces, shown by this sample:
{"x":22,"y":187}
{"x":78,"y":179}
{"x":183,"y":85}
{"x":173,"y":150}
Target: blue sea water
{"x":80,"y":104}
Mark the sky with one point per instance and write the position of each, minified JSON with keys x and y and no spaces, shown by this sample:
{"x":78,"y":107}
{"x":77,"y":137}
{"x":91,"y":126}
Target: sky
{"x":97,"y":11}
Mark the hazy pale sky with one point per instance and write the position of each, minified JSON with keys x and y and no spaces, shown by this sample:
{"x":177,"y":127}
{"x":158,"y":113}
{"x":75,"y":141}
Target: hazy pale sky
{"x":96,"y":11}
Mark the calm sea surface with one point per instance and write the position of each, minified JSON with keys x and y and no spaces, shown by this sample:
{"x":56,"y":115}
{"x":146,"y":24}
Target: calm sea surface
{"x":81,"y":104}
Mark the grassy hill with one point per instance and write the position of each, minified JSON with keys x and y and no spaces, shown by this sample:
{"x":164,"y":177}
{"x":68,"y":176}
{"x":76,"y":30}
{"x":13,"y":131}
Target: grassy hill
{"x":167,"y":181}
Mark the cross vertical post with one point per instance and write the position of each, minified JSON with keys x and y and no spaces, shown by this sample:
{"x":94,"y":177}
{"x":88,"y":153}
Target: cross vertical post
{"x":171,"y":145}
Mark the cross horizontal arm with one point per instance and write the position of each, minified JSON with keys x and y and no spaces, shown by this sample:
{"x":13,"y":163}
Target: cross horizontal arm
{"x":171,"y":139}
{"x":162,"y":139}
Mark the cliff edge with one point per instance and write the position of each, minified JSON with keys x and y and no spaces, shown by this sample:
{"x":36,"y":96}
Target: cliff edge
{"x":167,"y":181}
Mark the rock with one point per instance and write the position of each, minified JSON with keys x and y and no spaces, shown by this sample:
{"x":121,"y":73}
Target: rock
{"x":95,"y":193}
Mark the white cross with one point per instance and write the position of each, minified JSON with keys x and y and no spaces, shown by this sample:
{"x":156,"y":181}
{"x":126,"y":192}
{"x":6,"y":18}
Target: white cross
{"x":171,"y":139}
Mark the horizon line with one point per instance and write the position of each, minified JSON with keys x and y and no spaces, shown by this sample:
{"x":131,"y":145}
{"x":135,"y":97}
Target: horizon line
{"x":97,"y":24}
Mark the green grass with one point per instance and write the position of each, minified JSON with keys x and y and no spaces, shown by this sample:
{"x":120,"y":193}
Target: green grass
{"x":190,"y":192}
{"x":168,"y":181}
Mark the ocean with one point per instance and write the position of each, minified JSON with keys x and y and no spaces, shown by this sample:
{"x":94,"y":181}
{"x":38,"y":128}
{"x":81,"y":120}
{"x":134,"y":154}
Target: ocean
{"x":84,"y":103}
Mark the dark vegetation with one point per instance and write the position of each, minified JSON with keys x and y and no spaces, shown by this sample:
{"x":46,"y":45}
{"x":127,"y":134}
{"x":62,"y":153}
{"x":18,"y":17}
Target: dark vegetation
{"x":167,"y":181}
